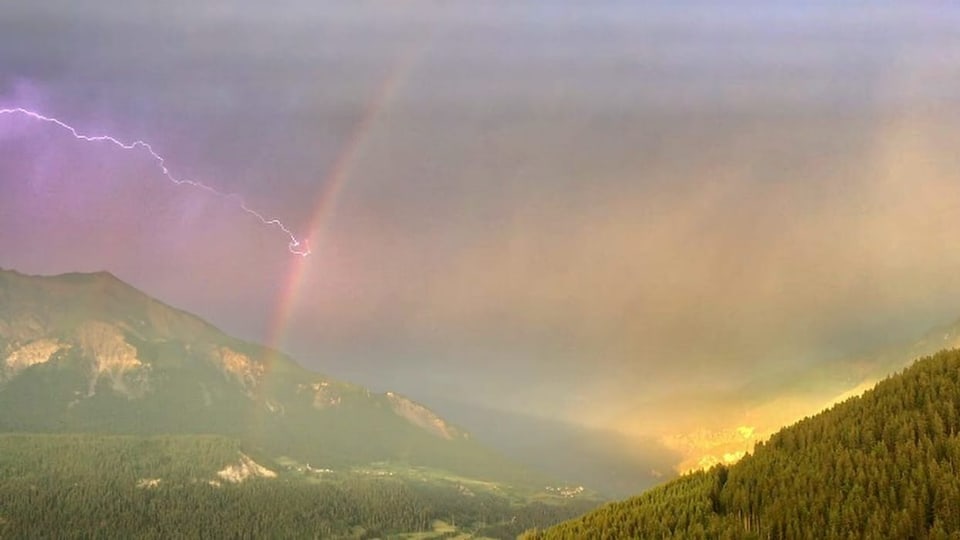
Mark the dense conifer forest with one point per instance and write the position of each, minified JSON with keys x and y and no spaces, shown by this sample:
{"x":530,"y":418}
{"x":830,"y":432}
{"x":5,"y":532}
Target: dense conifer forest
{"x":90,"y":486}
{"x":883,"y":465}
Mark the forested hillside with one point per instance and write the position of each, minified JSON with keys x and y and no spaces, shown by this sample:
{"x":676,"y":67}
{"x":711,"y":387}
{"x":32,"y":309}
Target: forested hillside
{"x":883,"y":465}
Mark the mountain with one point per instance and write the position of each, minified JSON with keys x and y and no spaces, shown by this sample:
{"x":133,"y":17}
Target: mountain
{"x":122,"y":416}
{"x":882,"y":465}
{"x":87,"y":353}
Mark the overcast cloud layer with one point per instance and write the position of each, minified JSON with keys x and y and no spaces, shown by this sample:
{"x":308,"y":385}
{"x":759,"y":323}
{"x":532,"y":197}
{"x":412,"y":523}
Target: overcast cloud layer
{"x":591,"y":212}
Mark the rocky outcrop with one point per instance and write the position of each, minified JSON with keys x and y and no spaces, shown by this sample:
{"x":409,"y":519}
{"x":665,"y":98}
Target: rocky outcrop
{"x":324,"y":396}
{"x":113,"y":359}
{"x":108,"y":347}
{"x":422,"y":417}
{"x":36,"y":352}
{"x":245,"y":370}
{"x":243,"y":470}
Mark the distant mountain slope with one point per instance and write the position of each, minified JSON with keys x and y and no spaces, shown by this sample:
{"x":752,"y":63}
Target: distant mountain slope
{"x":884,"y":465}
{"x":89,"y":353}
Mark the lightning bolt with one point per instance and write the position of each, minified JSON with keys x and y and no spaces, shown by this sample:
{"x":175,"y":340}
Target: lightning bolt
{"x":295,"y":245}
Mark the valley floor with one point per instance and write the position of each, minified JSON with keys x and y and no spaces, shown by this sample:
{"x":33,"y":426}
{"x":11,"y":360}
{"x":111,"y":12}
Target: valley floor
{"x":210,"y":486}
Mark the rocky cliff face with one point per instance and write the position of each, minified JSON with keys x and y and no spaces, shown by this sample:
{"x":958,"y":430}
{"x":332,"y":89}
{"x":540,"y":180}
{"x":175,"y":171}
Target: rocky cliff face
{"x":20,"y":357}
{"x":245,"y":371}
{"x":423,"y":417}
{"x":113,"y":359}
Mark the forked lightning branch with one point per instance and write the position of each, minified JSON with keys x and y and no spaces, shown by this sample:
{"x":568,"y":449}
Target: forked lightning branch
{"x":295,"y":245}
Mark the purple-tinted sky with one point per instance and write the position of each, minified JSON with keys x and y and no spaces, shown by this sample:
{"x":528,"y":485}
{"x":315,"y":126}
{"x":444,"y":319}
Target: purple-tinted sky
{"x":578,"y":210}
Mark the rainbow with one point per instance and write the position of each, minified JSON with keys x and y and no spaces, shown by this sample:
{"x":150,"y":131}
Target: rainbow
{"x":336,"y":178}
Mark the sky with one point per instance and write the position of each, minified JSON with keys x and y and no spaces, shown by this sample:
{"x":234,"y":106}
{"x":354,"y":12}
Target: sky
{"x":617,"y":215}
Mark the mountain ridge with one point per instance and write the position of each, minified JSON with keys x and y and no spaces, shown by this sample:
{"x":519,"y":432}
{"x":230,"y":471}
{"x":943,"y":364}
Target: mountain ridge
{"x":87,"y":352}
